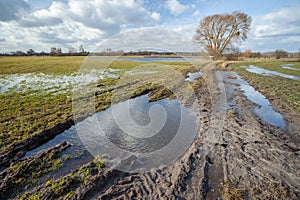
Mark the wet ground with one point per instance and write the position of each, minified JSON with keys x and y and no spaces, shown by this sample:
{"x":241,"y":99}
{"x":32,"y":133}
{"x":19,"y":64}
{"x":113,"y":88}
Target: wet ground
{"x":255,"y":156}
{"x":265,"y":72}
{"x":289,"y":66}
{"x":263,"y":108}
{"x":50,"y":83}
{"x":147,"y":127}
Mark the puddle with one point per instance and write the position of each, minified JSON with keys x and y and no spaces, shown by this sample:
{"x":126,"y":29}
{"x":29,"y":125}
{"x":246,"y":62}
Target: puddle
{"x":79,"y":154}
{"x":265,"y":72}
{"x":168,"y":116}
{"x":48,"y":82}
{"x":265,"y":110}
{"x":191,"y":77}
{"x":289,"y":66}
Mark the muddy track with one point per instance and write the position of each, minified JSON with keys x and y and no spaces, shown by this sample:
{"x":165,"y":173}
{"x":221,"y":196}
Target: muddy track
{"x":251,"y":159}
{"x":18,"y":149}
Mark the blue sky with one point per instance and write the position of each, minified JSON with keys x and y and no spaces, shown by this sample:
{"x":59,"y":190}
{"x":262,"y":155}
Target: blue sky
{"x":134,"y":24}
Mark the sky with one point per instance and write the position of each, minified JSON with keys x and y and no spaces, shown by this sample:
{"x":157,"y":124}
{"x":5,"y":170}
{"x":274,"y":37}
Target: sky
{"x":129,"y":25}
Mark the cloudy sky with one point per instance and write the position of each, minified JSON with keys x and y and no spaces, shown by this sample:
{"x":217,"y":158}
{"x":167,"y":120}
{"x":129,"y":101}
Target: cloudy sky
{"x":135,"y":24}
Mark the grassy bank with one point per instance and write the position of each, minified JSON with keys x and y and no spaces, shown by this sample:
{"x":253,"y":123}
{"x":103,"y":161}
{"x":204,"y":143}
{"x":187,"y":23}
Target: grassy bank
{"x":274,"y":87}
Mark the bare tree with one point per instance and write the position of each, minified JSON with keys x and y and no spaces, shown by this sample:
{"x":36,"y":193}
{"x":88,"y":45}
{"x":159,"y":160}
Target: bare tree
{"x":81,"y":49}
{"x":221,"y":31}
{"x":30,"y":52}
{"x":280,"y":54}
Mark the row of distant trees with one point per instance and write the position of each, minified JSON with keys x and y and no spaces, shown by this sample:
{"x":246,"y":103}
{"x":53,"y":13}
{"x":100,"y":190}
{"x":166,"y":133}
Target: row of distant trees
{"x":54,"y":51}
{"x":279,"y":53}
{"x":230,"y":55}
{"x":71,"y":52}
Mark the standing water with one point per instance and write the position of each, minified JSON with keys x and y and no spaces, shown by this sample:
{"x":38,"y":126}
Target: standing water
{"x":265,"y":110}
{"x":265,"y":72}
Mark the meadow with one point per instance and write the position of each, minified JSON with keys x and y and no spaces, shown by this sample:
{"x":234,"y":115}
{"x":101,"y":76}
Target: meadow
{"x":26,"y":110}
{"x":37,"y":94}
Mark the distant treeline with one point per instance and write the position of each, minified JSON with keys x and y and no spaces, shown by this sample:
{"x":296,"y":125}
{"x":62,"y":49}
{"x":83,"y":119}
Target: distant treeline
{"x":20,"y":53}
{"x":105,"y":53}
{"x":229,"y":56}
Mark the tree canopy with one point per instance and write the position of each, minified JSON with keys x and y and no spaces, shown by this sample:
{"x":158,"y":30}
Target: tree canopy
{"x":222,"y":32}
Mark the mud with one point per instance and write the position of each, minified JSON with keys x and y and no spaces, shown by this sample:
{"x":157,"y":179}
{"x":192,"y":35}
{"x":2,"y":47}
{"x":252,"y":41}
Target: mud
{"x":17,"y":150}
{"x":251,"y":159}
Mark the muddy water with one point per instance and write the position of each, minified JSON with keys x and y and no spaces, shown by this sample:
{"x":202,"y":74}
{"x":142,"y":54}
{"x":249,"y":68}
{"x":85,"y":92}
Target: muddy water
{"x":264,"y":109}
{"x":265,"y":72}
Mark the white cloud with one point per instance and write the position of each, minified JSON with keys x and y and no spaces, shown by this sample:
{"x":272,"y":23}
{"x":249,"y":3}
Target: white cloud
{"x":72,"y":23}
{"x":175,"y":7}
{"x":149,"y":38}
{"x":276,"y":30}
{"x":196,"y":13}
{"x":155,"y":15}
{"x":285,"y":22}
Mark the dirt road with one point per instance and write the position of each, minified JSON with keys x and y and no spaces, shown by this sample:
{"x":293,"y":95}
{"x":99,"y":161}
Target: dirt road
{"x":252,"y":159}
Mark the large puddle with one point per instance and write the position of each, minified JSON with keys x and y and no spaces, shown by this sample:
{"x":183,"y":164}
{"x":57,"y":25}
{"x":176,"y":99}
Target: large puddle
{"x":193,"y":76}
{"x":265,"y":72}
{"x":264,"y":110}
{"x":152,"y":126}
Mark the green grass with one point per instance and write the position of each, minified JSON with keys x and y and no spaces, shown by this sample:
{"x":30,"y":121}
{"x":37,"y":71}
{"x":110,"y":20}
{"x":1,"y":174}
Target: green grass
{"x":52,"y":65}
{"x":26,"y":113}
{"x":274,"y":87}
{"x":28,"y":172}
{"x":64,"y":187}
{"x":276,"y":66}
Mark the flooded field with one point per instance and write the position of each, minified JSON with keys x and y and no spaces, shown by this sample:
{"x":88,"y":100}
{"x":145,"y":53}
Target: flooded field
{"x":48,"y":83}
{"x":110,"y":147}
{"x":265,"y":72}
{"x":289,"y":66}
{"x":263,"y":108}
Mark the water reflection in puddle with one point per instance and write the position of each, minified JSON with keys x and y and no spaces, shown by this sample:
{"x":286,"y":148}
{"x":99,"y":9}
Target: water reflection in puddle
{"x":289,"y":66}
{"x":265,"y":110}
{"x":168,"y":116}
{"x":265,"y":72}
{"x":191,"y":77}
